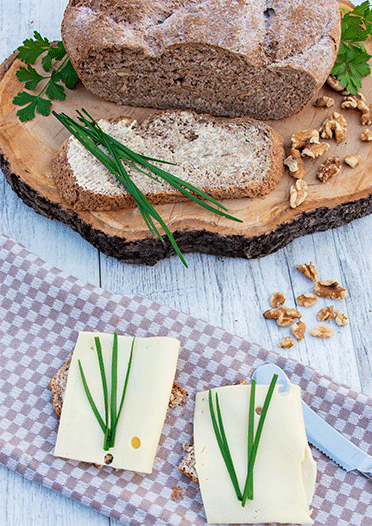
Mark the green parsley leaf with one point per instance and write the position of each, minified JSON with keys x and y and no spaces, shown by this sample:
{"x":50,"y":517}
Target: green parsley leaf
{"x":55,"y":53}
{"x":68,"y":75}
{"x":54,"y":90}
{"x":43,"y":106}
{"x":54,"y":60}
{"x":352,"y":60}
{"x":30,"y":76}
{"x":33,"y":48}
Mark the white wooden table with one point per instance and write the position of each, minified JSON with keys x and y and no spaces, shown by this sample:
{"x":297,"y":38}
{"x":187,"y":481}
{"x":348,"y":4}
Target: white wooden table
{"x":229,"y":293}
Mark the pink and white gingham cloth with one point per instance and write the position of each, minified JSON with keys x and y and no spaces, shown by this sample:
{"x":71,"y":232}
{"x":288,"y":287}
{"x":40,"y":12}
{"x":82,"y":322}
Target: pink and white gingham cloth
{"x":41,"y":311}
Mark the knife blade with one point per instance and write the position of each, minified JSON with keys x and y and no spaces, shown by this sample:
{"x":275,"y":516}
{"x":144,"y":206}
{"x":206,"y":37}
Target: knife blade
{"x":319,"y":433}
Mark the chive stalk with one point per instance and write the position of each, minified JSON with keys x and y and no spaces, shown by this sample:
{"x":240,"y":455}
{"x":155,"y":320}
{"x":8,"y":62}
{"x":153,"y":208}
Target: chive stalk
{"x":91,"y":136}
{"x":253,"y":439}
{"x":112,"y":416}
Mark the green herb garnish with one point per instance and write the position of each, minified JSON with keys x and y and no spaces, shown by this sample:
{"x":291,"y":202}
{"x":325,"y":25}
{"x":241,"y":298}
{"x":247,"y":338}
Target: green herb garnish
{"x":109,"y":425}
{"x":90,"y":135}
{"x":54,"y":61}
{"x":352,"y":60}
{"x":253,"y":439}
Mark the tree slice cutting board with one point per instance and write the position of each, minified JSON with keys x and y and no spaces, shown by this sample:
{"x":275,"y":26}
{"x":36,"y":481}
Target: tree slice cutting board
{"x":268,"y":224}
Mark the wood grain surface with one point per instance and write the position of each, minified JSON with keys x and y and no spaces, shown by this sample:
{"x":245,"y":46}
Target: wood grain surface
{"x":269,"y":223}
{"x":231,"y":293}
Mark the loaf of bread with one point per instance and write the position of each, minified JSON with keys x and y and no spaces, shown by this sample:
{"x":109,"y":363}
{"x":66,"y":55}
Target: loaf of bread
{"x":257,"y":58}
{"x":226,"y":158}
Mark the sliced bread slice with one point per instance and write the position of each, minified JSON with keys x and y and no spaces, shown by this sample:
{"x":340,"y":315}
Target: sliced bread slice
{"x":226,"y":158}
{"x":59,"y":382}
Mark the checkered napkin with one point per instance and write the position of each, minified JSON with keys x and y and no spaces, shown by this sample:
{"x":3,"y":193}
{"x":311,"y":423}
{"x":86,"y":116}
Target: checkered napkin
{"x":41,"y":311}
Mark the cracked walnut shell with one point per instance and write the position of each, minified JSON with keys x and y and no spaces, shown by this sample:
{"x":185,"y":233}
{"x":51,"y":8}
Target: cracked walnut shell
{"x":322,"y":331}
{"x":335,"y":125}
{"x":307,"y":299}
{"x":298,"y":330}
{"x":297,"y":193}
{"x":329,"y":289}
{"x":325,"y":314}
{"x":308,"y":270}
{"x":329,"y":168}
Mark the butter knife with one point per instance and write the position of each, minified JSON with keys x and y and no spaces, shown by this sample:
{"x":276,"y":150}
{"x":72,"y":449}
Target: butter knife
{"x":319,"y":433}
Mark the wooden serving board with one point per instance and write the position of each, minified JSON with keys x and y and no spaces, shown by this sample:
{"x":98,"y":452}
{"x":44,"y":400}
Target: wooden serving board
{"x":268,"y":224}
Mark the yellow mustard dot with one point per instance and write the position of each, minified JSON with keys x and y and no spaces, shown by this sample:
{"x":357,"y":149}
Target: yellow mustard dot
{"x":135,"y":443}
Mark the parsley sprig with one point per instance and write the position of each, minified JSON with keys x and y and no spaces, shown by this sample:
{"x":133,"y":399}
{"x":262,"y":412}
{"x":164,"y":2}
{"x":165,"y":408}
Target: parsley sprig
{"x":253,"y":439}
{"x":352,"y":60}
{"x":55,"y":61}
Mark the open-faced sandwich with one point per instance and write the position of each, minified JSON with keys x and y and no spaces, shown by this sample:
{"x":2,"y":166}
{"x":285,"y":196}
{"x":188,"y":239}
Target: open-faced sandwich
{"x":250,"y":455}
{"x":112,"y":396}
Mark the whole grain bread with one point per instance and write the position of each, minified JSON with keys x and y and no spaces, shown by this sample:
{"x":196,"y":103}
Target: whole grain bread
{"x":59,"y":382}
{"x":226,"y":158}
{"x":259,"y":58}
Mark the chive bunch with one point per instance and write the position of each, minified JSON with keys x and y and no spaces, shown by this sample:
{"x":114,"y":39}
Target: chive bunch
{"x":253,"y":440}
{"x":89,"y":134}
{"x":112,"y":415}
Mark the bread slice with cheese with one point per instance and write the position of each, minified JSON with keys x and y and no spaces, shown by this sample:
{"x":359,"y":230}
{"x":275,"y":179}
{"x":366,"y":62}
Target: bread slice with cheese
{"x":121,"y":431}
{"x":284,"y":472}
{"x":226,"y":158}
{"x":59,"y":381}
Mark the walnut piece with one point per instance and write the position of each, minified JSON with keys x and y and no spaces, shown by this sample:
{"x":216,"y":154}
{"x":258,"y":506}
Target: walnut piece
{"x":315,"y":150}
{"x":277,"y":300}
{"x":335,"y":125}
{"x":341,"y":318}
{"x":287,"y":317}
{"x":324,"y":102}
{"x":359,"y":102}
{"x":329,"y":289}
{"x":295,"y":164}
{"x":354,"y":101}
{"x":366,"y":136}
{"x":297,"y":193}
{"x":322,"y":331}
{"x":307,"y":299}
{"x":352,"y":160}
{"x":273,"y":314}
{"x":286,"y":343}
{"x":298,"y":330}
{"x":308,"y":270}
{"x":366,"y":118}
{"x":334,"y":83}
{"x":325,"y":314}
{"x":329,"y":168}
{"x":302,"y":138}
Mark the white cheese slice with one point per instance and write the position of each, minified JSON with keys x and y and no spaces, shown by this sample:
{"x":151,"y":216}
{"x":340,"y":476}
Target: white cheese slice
{"x":149,"y":387}
{"x":284,"y":472}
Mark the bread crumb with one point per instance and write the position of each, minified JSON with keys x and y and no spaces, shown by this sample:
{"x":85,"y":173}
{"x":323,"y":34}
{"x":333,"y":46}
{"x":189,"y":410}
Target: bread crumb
{"x":177,"y":492}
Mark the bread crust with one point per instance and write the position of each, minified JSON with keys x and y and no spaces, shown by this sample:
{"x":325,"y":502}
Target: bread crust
{"x":81,"y":198}
{"x":256,"y":58}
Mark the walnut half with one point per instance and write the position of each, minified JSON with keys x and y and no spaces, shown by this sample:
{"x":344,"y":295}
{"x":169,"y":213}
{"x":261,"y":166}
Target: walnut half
{"x":308,"y":270}
{"x":329,"y":289}
{"x":297,"y":193}
{"x":322,"y":331}
{"x":335,"y":125}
